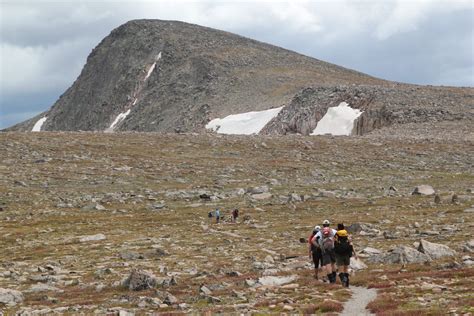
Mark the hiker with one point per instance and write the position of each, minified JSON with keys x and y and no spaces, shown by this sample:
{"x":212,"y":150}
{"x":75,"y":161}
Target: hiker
{"x":325,"y":238}
{"x":344,"y":250}
{"x":217,"y":213}
{"x":235,"y":214}
{"x":314,"y":251}
{"x":210,"y":216}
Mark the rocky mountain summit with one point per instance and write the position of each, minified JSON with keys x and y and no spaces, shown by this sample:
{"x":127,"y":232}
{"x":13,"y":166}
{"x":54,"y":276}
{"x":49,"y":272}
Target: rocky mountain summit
{"x":168,"y":76}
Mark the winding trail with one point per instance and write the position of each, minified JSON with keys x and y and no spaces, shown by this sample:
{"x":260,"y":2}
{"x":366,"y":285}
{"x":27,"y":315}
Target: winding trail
{"x":361,"y":296}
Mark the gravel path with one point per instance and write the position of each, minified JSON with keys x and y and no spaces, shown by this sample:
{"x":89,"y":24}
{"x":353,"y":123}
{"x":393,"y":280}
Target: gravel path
{"x":361,"y":296}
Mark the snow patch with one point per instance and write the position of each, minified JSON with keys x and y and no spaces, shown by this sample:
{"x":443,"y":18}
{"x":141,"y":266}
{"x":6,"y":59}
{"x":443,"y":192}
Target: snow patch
{"x":118,"y":119}
{"x":158,"y":57}
{"x":243,"y":123}
{"x":338,"y":120}
{"x":39,"y":124}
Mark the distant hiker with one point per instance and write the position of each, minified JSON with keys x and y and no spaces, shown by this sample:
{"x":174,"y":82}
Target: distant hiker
{"x":210,"y":216}
{"x":314,"y":251}
{"x":344,"y":251}
{"x":235,"y":214}
{"x":217,"y":213}
{"x":325,"y":238}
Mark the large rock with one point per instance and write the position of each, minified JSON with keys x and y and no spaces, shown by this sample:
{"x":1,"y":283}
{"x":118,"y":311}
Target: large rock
{"x":92,"y":238}
{"x":262,"y":196}
{"x":357,"y":264}
{"x":402,"y":254}
{"x":435,"y":251}
{"x":140,"y":280}
{"x":276,"y":281}
{"x":38,"y":288}
{"x":358,"y":227}
{"x":423,"y":190}
{"x":469,"y":246}
{"x":10,"y":297}
{"x":258,"y":190}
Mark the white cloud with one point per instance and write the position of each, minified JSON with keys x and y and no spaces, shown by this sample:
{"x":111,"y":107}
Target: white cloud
{"x":38,"y":68}
{"x":405,"y":16}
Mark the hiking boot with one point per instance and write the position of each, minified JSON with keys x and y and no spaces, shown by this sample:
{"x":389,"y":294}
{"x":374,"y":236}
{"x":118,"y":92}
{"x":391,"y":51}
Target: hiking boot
{"x":347,"y":279}
{"x":331,"y":278}
{"x":342,"y":277}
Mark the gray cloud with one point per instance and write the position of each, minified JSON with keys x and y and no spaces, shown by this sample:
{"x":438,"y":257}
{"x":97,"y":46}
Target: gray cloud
{"x":44,"y":44}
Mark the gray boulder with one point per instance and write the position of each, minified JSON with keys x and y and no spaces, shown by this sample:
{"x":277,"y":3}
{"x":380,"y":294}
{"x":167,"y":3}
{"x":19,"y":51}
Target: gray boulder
{"x":258,"y":190}
{"x":358,"y":227}
{"x":469,"y":246}
{"x":10,"y":297}
{"x":357,"y":264}
{"x":262,"y":196}
{"x":139,"y":280}
{"x":170,"y":299}
{"x":402,"y":254}
{"x":423,"y":190}
{"x":435,"y":251}
{"x":97,"y":237}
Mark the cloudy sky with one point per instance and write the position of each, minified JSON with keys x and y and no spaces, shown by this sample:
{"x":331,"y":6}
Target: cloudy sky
{"x":44,"y":44}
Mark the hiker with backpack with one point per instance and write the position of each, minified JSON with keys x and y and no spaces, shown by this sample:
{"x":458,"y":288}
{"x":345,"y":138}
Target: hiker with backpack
{"x":235,"y":214}
{"x":344,"y":250}
{"x":314,"y":251}
{"x":217,"y":213}
{"x":325,"y":239}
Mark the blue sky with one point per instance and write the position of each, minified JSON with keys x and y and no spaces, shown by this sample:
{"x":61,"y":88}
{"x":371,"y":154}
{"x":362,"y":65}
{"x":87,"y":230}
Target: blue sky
{"x":44,"y":44}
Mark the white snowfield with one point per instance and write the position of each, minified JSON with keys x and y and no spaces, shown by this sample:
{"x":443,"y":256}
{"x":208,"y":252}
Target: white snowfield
{"x":123,"y":115}
{"x":118,"y":119}
{"x":158,"y":57}
{"x":338,"y":120}
{"x":39,"y":124}
{"x":243,"y":123}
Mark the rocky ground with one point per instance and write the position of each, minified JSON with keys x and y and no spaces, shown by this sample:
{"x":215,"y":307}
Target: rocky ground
{"x":117,"y":223}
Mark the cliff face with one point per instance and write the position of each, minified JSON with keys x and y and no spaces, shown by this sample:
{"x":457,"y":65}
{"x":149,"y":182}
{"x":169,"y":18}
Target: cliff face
{"x":168,"y":76}
{"x":380,"y":105}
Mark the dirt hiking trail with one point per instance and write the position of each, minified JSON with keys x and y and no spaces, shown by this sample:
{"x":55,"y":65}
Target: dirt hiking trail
{"x":361,"y":296}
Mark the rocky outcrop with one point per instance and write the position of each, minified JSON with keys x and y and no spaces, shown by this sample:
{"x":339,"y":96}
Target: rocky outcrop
{"x":380,"y":105}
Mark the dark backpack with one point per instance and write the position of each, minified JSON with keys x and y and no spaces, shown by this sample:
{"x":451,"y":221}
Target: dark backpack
{"x":342,"y":246}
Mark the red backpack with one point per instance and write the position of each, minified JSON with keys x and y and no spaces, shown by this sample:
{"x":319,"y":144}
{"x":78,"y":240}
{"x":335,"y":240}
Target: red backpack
{"x":327,"y":242}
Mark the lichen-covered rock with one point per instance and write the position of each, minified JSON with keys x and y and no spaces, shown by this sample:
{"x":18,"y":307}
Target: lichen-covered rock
{"x":139,"y":280}
{"x":435,"y":251}
{"x":10,"y":297}
{"x":401,"y":254}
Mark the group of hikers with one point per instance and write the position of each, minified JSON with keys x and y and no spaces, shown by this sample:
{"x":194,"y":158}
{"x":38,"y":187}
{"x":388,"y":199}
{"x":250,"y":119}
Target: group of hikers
{"x":217,"y":214}
{"x":329,"y":247}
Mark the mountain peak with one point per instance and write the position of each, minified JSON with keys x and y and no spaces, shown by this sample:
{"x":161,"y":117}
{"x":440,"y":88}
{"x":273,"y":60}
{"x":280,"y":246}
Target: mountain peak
{"x":171,"y":76}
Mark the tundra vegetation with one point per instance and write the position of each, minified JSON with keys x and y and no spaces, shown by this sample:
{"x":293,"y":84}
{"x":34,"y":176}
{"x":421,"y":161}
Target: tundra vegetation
{"x":116,"y":223}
